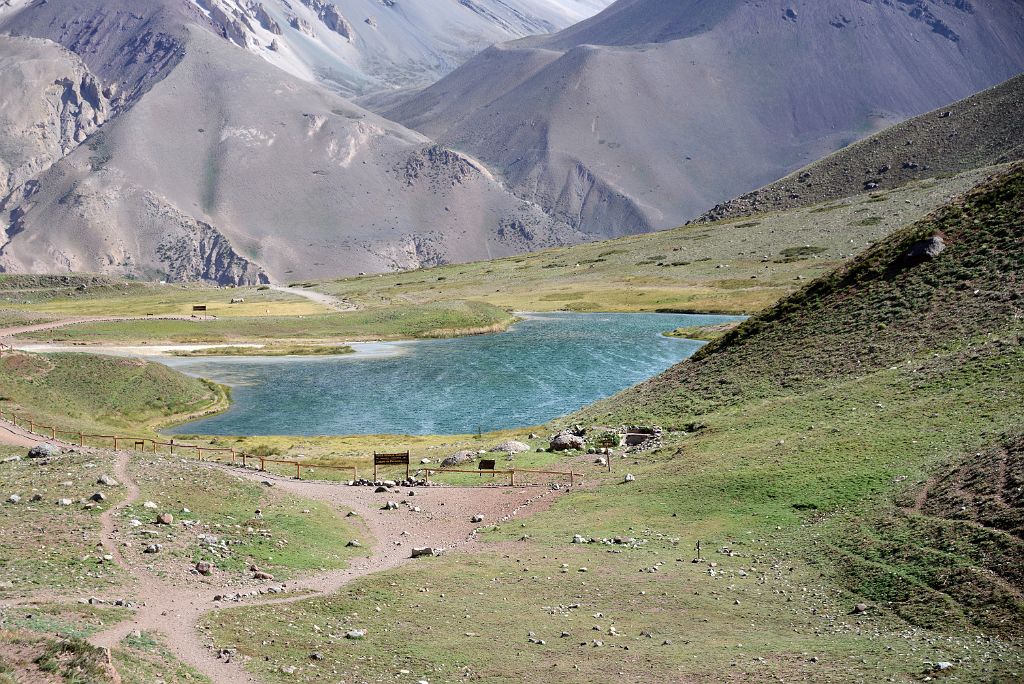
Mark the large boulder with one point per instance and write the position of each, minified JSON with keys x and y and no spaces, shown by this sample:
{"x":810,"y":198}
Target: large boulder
{"x":926,"y":249}
{"x":459,"y":458}
{"x":43,"y":451}
{"x":566,"y":441}
{"x":511,"y":447}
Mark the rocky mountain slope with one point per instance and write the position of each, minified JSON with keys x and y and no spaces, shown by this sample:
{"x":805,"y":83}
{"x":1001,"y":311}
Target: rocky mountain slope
{"x":648,"y":113}
{"x":188,"y":179}
{"x":981,"y":130}
{"x":360,"y":46}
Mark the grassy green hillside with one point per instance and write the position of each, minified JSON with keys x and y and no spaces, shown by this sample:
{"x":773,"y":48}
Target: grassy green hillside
{"x":881,"y":309}
{"x":849,"y":531}
{"x":100,"y":393}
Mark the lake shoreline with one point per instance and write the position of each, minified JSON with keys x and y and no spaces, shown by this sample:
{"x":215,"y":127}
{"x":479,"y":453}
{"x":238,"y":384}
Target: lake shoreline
{"x":546,"y":366}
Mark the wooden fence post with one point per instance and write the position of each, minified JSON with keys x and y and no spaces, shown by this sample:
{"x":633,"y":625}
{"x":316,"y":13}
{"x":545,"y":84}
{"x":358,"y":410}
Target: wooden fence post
{"x":298,"y":472}
{"x":81,"y":438}
{"x":53,"y":433}
{"x":512,"y":478}
{"x":115,"y":443}
{"x":263,"y":466}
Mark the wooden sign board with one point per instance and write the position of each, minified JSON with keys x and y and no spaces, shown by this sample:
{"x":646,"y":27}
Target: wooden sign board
{"x":199,"y":307}
{"x":487,"y":465}
{"x":390,"y":460}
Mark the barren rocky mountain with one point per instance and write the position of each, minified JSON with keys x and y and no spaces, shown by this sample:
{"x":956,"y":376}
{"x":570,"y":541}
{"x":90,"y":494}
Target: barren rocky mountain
{"x":160,"y":139}
{"x":981,"y":130}
{"x":360,"y":46}
{"x":650,"y":112}
{"x":217,"y":165}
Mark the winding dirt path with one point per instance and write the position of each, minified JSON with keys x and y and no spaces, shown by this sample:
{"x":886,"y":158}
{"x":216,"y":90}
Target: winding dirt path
{"x":444,"y":520}
{"x":330,"y":301}
{"x":174,"y":610}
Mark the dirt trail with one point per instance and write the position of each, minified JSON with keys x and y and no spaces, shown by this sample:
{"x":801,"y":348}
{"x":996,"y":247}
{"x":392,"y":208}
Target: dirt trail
{"x":6,"y":333}
{"x":15,"y":436}
{"x":327,"y":300}
{"x":173,"y":609}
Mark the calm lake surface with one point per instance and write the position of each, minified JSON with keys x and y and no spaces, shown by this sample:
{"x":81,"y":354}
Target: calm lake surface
{"x":544,"y":367}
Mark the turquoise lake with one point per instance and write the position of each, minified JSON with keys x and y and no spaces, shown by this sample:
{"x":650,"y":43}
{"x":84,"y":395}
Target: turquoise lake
{"x":546,"y":366}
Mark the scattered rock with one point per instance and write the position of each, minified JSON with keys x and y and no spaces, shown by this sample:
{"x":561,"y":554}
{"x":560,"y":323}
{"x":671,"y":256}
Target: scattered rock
{"x":107,"y":481}
{"x":204,"y":568}
{"x":423,"y":551}
{"x":478,"y":518}
{"x":630,"y":477}
{"x":153,"y":548}
{"x":43,"y":451}
{"x":98,"y":497}
{"x":458,"y":458}
{"x":929,"y":248}
{"x":13,"y":498}
{"x":860,"y":608}
{"x":165,"y":519}
{"x":355,"y":544}
{"x":511,"y":447}
{"x":261,"y":575}
{"x":63,"y":502}
{"x":389,"y":506}
{"x":566,"y":441}
{"x":355,"y":634}
{"x":150,"y":505}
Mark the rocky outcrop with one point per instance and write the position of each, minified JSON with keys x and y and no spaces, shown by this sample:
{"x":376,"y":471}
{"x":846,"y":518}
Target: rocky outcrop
{"x":332,"y":18}
{"x":259,"y":12}
{"x":60,"y":104}
{"x":197,"y":251}
{"x":439,"y":167}
{"x":205,"y":254}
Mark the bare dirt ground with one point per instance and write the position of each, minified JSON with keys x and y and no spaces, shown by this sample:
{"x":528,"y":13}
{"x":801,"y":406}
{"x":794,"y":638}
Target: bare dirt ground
{"x":327,"y":300}
{"x":173,"y":608}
